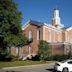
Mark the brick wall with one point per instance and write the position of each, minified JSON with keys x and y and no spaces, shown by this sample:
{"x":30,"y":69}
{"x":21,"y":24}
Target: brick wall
{"x":34,"y":44}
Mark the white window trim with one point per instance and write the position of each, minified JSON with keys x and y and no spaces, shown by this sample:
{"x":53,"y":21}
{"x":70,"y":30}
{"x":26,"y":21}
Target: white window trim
{"x":30,"y":34}
{"x":38,"y":34}
{"x":49,"y":35}
{"x":30,"y":49}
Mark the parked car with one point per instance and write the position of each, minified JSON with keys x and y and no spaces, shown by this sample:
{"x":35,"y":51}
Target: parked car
{"x":64,"y":66}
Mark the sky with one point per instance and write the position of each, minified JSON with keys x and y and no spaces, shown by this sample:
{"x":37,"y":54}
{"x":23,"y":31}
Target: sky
{"x":42,"y":10}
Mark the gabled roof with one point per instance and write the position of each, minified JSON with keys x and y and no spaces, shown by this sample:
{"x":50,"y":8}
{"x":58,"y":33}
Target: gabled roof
{"x":32,"y":22}
{"x":37,"y":23}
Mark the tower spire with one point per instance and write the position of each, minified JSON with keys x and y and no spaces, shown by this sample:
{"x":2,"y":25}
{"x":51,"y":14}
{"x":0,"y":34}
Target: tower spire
{"x":56,"y":8}
{"x":56,"y":18}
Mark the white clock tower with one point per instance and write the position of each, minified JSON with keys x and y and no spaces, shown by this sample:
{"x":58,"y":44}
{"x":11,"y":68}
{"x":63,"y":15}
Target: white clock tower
{"x":56,"y":21}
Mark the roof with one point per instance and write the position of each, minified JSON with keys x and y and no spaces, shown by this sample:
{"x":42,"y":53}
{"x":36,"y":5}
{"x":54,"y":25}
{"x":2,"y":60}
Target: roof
{"x":37,"y":23}
{"x":69,"y":28}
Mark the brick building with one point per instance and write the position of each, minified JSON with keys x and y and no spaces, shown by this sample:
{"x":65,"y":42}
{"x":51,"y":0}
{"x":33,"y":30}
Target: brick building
{"x":59,"y":37}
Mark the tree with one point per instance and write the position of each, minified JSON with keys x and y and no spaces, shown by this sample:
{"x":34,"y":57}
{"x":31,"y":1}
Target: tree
{"x":20,"y":41}
{"x":43,"y":51}
{"x":10,"y":25}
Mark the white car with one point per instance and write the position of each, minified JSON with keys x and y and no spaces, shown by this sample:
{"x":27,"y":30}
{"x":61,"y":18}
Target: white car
{"x":65,"y":66}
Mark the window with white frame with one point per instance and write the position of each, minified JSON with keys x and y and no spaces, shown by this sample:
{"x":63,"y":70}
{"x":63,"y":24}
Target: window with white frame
{"x":30,"y":49}
{"x":38,"y":34}
{"x":30,"y":35}
{"x":16,"y":50}
{"x":49,"y":35}
{"x":57,"y":37}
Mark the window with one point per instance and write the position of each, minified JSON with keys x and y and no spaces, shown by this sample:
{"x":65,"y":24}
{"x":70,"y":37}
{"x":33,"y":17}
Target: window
{"x":57,"y":37}
{"x":30,"y":49}
{"x":49,"y":35}
{"x":16,"y":50}
{"x":30,"y":35}
{"x":70,"y":62}
{"x":38,"y":34}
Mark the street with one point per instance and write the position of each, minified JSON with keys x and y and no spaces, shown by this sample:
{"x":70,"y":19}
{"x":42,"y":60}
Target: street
{"x":33,"y":68}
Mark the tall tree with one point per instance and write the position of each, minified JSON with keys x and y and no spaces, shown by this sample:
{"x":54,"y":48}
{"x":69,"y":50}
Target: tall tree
{"x":10,"y":24}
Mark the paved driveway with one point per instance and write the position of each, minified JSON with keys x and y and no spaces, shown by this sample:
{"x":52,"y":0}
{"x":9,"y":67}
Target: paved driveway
{"x":32,"y":68}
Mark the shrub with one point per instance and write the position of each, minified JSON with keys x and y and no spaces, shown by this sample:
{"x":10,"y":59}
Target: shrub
{"x":43,"y":51}
{"x":58,"y":57}
{"x":7,"y":57}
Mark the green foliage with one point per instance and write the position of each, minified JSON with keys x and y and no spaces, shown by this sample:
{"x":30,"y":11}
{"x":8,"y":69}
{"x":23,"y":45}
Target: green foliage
{"x":10,"y":21}
{"x":43,"y":51}
{"x":10,"y":25}
{"x":58,"y":57}
{"x":10,"y":17}
{"x":22,"y":40}
{"x":5,"y":56}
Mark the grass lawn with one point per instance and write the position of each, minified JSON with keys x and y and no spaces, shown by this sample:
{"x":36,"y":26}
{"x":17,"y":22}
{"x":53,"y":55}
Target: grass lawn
{"x":21,"y":63}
